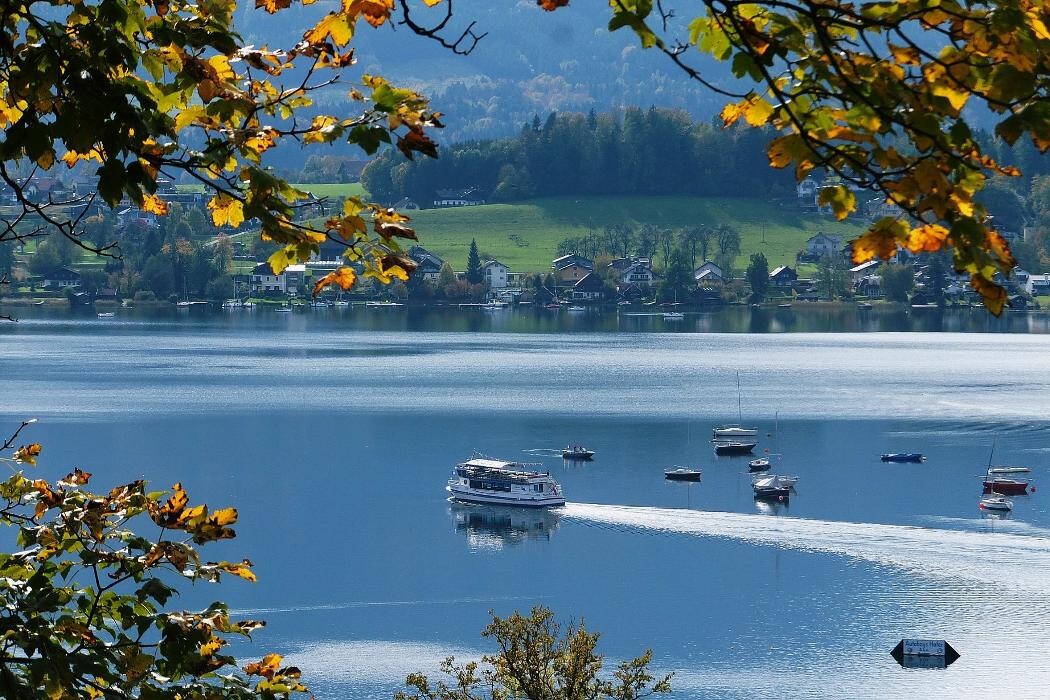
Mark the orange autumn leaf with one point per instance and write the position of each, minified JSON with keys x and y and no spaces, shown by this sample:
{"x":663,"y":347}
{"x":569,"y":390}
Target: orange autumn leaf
{"x":28,"y":453}
{"x":344,"y":277}
{"x":927,"y":238}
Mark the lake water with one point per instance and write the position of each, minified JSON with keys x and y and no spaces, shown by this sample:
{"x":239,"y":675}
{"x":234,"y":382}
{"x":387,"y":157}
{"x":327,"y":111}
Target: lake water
{"x":334,"y":439}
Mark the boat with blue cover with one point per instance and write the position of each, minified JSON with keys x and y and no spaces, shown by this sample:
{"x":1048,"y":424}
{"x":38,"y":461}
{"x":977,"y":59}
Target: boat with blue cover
{"x":916,"y":457}
{"x":495,"y":481}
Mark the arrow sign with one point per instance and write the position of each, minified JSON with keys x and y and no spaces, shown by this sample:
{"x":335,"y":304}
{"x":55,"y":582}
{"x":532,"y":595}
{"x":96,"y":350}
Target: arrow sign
{"x":924,"y":653}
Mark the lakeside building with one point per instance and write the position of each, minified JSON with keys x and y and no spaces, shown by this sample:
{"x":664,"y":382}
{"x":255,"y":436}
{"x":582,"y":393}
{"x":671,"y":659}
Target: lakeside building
{"x":495,"y":274}
{"x":571,"y":268}
{"x":62,"y":278}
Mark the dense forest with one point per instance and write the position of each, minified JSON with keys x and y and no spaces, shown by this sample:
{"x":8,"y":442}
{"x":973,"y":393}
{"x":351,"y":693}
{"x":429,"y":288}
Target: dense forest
{"x":642,"y":152}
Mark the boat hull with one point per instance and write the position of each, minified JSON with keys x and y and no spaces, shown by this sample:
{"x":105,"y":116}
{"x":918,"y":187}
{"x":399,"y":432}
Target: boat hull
{"x":773,"y":494}
{"x":734,"y":448}
{"x":683,"y":476}
{"x":904,"y":457}
{"x":466,"y":496}
{"x":578,"y":456}
{"x":1007,"y":488}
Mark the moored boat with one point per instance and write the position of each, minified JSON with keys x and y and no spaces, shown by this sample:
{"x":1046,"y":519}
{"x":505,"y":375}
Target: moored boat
{"x":771,"y":488}
{"x":1009,"y":470}
{"x":107,"y":314}
{"x":997,"y":503}
{"x":683,"y":474}
{"x":904,"y":457}
{"x":758,"y":465}
{"x":673,"y":316}
{"x":1005,"y":487}
{"x":484,"y":480}
{"x":735,"y":430}
{"x":577,"y":452}
{"x":734,"y":447}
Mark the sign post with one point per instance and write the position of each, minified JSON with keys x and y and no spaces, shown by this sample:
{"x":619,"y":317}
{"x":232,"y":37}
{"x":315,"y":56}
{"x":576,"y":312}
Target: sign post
{"x":924,"y":653}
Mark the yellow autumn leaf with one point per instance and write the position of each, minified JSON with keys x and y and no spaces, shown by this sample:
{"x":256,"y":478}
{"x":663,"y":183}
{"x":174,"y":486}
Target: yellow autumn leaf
{"x":241,"y":569}
{"x":758,"y":112}
{"x":226,"y":211}
{"x":333,"y":25}
{"x":46,"y":159}
{"x":154,"y":205}
{"x":926,"y":239}
{"x":224,"y":516}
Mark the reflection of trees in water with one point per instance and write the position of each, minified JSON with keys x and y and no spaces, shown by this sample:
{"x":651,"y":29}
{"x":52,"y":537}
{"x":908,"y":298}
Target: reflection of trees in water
{"x":493,"y":527}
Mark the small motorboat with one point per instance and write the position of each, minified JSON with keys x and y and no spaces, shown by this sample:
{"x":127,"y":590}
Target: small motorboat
{"x":904,"y":457}
{"x":107,"y":314}
{"x":578,"y":453}
{"x":283,"y":309}
{"x":577,"y":309}
{"x":771,"y":488}
{"x":996,"y":503}
{"x":1009,"y":470}
{"x":553,"y":306}
{"x":783,"y":306}
{"x":733,"y":447}
{"x":865,"y":305}
{"x":683,"y":474}
{"x":674,"y":316}
{"x":758,"y":465}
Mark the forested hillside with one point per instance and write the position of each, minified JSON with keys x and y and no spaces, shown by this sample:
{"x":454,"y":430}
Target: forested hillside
{"x":646,"y":152}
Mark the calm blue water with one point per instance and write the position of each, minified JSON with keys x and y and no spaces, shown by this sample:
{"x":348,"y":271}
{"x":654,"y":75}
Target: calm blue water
{"x":335,"y":444}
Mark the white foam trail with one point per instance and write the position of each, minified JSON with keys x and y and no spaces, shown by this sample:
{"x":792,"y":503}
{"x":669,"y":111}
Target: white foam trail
{"x":1020,"y":562}
{"x":383,"y":603}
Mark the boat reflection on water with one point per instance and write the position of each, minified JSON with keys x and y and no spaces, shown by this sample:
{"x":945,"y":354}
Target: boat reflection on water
{"x":494,"y":527}
{"x":763,"y":507}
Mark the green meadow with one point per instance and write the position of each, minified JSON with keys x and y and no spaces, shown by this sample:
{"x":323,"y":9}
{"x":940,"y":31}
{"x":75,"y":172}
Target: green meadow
{"x":525,"y":236}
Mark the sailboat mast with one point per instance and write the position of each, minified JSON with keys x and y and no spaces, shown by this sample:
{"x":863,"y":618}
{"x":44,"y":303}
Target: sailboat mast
{"x":739,"y":410}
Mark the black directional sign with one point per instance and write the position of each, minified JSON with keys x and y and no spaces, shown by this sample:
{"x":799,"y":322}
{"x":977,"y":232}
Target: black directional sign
{"x":924,"y":653}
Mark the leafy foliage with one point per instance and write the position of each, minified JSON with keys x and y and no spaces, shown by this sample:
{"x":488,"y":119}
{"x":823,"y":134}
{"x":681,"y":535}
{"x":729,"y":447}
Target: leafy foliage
{"x":536,"y":660}
{"x":84,"y":596}
{"x":143,"y":90}
{"x":875,"y":93}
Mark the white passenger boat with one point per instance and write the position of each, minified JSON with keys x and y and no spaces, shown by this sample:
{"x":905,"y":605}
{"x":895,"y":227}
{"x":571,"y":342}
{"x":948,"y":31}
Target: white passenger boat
{"x":484,"y":480}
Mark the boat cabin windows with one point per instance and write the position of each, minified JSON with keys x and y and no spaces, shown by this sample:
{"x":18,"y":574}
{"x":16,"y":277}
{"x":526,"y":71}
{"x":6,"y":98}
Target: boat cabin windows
{"x":489,"y":485}
{"x":538,"y":488}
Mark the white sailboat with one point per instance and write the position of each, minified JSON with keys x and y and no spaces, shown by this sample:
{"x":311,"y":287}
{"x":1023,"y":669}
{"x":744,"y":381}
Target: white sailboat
{"x":735,"y":430}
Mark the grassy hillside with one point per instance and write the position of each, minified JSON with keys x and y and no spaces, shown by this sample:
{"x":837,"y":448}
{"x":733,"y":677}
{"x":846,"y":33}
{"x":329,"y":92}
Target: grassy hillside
{"x":538,"y":226}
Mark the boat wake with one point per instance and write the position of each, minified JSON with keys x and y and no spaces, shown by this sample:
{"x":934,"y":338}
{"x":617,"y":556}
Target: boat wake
{"x":1020,"y":562}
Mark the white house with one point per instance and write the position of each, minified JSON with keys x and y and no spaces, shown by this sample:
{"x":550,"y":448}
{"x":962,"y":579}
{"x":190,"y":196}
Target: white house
{"x":641,"y":274}
{"x":823,"y":244}
{"x":264,"y":280}
{"x":495,"y":274}
{"x":1038,"y":285}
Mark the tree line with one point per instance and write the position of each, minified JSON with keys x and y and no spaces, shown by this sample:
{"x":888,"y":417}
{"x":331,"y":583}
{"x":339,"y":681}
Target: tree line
{"x":641,"y":152}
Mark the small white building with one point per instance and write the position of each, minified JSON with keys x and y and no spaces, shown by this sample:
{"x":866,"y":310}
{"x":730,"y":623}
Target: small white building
{"x":264,"y":280}
{"x":495,"y":274}
{"x":1038,"y":285}
{"x":823,"y":244}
